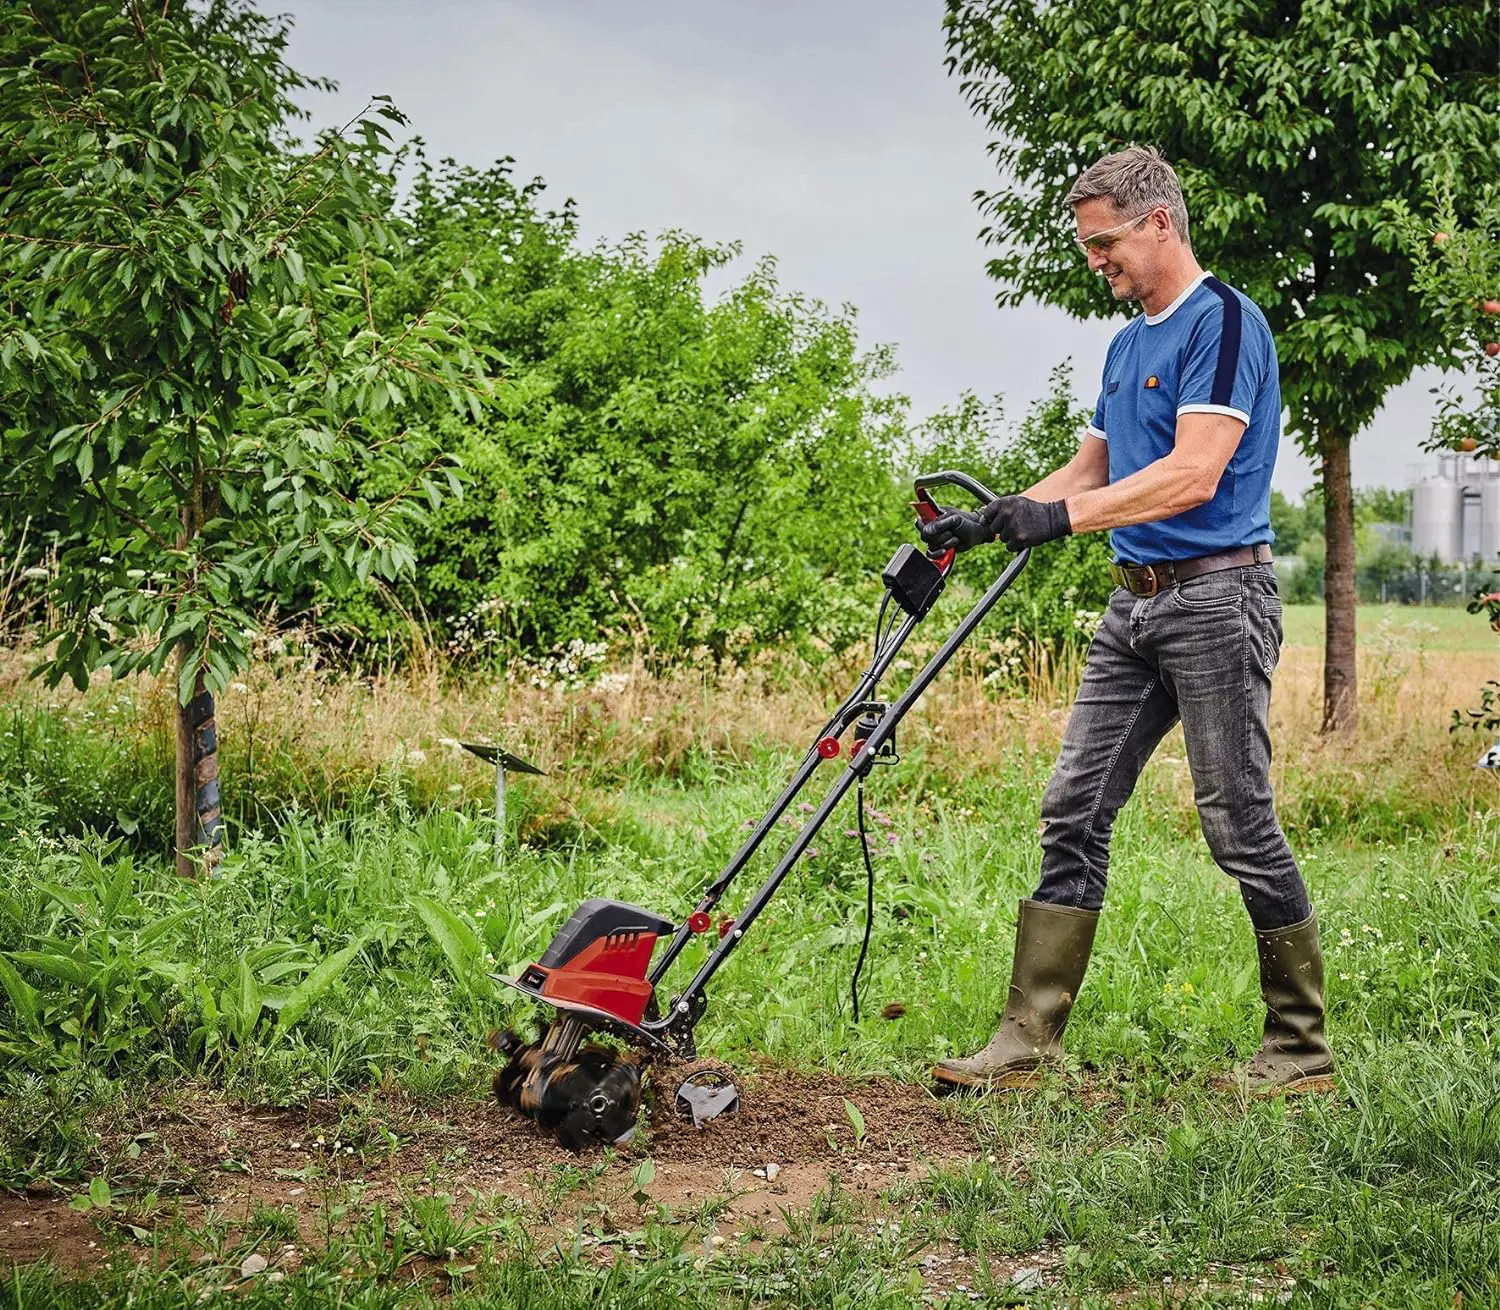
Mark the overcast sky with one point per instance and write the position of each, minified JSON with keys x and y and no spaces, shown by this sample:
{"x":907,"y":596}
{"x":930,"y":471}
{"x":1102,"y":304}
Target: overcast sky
{"x":824,"y":132}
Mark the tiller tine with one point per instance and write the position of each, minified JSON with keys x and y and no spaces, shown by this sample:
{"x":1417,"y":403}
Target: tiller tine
{"x":582,"y":1093}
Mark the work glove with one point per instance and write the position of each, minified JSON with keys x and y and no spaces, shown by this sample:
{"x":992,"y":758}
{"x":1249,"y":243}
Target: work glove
{"x":956,"y":529}
{"x":1021,"y":523}
{"x":1015,"y":520}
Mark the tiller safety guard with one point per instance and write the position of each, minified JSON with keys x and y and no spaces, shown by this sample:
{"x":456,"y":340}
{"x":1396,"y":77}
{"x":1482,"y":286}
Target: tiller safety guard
{"x":598,"y":975}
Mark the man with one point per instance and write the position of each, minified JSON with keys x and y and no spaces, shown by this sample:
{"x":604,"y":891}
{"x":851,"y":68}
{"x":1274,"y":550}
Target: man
{"x":1177,"y":463}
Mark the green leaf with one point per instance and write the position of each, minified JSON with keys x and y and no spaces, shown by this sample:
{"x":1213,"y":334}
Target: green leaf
{"x":160,"y":928}
{"x":457,"y":941}
{"x":310,"y":989}
{"x":23,"y":996}
{"x":118,"y":890}
{"x":856,"y":1120}
{"x":640,"y":1178}
{"x":63,"y":967}
{"x":247,"y":1002}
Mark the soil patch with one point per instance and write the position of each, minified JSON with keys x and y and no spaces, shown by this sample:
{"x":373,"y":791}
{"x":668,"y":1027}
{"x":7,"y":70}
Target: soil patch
{"x":193,"y":1157}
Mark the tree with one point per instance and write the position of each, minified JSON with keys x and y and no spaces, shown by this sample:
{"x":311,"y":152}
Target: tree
{"x":171,"y":264}
{"x":1456,"y":272}
{"x":1291,"y":125}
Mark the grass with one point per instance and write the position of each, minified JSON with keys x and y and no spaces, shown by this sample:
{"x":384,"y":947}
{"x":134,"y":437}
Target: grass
{"x":1433,"y":627}
{"x":347,"y":948}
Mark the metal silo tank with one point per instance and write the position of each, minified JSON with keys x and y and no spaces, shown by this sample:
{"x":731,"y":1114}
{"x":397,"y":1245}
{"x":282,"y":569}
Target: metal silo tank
{"x":1489,"y":520}
{"x":1437,"y":519}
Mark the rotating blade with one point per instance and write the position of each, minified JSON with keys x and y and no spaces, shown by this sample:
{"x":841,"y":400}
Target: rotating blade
{"x":581,"y":1093}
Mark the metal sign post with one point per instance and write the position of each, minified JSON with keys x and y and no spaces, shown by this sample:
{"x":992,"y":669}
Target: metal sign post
{"x":502,"y":760}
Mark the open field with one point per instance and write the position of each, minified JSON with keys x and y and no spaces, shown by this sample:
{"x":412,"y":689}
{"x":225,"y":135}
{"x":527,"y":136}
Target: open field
{"x":183,"y":1101}
{"x":1431,"y":627}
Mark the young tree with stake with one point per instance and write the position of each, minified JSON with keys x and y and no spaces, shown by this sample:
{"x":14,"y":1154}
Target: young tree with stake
{"x":191,"y":371}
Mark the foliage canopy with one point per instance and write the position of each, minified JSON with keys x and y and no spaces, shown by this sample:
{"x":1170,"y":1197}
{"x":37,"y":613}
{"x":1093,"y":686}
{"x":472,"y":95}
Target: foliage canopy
{"x":191,"y":369}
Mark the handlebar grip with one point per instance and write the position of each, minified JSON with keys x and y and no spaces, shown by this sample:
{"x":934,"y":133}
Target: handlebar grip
{"x":953,"y":478}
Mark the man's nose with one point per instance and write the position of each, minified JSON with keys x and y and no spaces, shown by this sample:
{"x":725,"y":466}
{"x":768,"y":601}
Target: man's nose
{"x":1097,"y":259}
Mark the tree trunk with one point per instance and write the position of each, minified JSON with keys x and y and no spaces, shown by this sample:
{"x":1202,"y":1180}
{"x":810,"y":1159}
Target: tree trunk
{"x":1340,"y":673}
{"x":186,"y":806}
{"x":199,"y":823}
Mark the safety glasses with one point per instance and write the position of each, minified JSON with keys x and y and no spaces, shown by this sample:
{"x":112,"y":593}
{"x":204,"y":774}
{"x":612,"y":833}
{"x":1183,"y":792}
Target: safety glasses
{"x":1101,"y":243}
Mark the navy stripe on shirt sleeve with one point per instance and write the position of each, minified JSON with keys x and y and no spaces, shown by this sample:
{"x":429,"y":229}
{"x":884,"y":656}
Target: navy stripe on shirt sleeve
{"x":1229,"y":344}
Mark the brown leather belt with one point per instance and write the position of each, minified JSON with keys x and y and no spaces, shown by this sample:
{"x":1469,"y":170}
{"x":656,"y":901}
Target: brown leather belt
{"x":1148,"y":579}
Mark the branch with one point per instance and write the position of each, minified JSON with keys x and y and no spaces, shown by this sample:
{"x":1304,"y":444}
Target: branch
{"x":58,"y":241}
{"x":306,"y":164}
{"x":140,"y":26}
{"x":159,"y":542}
{"x":410,"y":483}
{"x":429,"y":376}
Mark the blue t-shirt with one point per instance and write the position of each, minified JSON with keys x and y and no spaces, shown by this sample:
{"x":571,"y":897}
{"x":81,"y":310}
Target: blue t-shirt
{"x":1209,"y":352}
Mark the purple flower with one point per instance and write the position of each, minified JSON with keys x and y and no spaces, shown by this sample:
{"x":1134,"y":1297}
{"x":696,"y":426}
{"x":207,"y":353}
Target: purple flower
{"x":851,"y":832}
{"x":892,"y":837}
{"x":811,"y":852}
{"x":805,"y":808}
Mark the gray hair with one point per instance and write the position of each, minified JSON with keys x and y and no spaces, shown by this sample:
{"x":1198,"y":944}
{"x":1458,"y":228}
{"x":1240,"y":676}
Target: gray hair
{"x":1135,"y":181}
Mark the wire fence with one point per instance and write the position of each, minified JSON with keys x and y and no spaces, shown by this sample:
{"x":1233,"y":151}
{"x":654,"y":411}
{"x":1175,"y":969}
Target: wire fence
{"x":1418,"y":584}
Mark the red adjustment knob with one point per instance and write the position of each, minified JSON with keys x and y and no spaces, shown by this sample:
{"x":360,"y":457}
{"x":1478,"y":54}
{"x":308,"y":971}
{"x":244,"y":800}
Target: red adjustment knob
{"x":699,"y":921}
{"x":725,"y":924}
{"x":828,"y":747}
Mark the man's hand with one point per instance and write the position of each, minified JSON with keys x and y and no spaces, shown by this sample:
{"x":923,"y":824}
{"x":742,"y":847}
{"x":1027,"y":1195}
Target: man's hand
{"x":956,"y":529}
{"x":1021,"y":523}
{"x":1016,"y":521}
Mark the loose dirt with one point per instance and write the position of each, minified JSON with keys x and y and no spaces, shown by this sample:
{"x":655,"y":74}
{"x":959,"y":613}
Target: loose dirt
{"x":193,"y":1157}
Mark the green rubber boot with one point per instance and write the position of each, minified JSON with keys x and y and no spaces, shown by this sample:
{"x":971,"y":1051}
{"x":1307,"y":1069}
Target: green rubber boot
{"x":1052,"y":951}
{"x":1294,"y":1054}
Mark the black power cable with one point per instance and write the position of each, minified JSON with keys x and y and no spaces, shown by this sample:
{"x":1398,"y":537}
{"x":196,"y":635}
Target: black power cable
{"x":883,"y":630}
{"x":864,"y":846}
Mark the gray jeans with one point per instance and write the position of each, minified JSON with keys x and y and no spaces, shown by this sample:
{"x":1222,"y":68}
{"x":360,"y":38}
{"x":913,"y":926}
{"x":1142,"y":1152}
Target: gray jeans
{"x":1203,"y":653}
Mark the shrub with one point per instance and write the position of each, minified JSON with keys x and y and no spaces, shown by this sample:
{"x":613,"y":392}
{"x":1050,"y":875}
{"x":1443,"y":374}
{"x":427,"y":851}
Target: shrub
{"x":664,"y":470}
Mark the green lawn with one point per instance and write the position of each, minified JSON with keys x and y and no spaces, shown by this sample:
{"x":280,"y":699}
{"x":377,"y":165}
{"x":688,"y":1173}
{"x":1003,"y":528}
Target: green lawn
{"x":1126,"y":1180}
{"x":1429,"y":627}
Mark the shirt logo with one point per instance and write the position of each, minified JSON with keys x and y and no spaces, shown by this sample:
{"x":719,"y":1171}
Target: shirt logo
{"x":1153,"y":381}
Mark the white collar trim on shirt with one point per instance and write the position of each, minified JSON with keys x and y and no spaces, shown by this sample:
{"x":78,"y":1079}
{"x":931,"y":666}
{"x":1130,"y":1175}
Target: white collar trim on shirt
{"x":1172,"y":308}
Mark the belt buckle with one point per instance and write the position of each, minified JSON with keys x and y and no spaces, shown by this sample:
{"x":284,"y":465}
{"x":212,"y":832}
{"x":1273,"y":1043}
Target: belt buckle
{"x":1153,"y":582}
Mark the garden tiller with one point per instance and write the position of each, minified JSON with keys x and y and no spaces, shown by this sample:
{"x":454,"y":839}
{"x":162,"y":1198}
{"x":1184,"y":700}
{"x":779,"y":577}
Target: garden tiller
{"x":598,"y":974}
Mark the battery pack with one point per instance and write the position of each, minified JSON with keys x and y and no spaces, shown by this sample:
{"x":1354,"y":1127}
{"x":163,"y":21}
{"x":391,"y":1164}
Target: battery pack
{"x":915,"y":582}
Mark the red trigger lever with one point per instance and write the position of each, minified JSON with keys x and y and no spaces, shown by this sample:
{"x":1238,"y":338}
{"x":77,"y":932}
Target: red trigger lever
{"x":927,"y":510}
